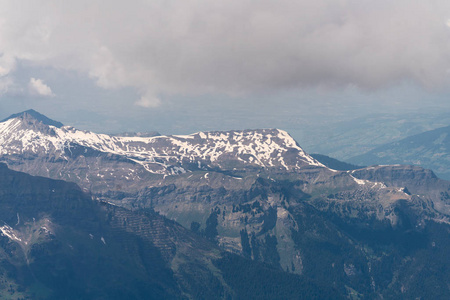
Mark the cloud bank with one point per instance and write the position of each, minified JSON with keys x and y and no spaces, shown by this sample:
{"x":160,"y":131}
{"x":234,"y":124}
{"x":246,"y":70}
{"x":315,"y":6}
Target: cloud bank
{"x":193,"y":47}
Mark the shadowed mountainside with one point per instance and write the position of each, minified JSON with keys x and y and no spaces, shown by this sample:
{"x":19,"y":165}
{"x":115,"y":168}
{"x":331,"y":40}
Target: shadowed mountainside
{"x":56,"y":243}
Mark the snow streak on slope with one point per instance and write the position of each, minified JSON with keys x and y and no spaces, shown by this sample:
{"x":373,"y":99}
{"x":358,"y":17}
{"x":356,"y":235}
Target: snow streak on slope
{"x":266,"y":148}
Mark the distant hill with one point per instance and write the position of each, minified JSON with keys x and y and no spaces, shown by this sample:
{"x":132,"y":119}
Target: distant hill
{"x":430,"y":149}
{"x":334,"y":164}
{"x":137,"y":134}
{"x":348,"y":138}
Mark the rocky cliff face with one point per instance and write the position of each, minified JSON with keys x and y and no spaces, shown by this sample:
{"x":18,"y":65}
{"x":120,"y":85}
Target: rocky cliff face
{"x":56,"y":243}
{"x":413,"y":180}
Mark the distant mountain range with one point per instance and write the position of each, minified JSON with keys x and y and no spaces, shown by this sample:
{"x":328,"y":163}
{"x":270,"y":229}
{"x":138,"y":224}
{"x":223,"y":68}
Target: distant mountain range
{"x":346,"y":139}
{"x":430,"y":149}
{"x":372,"y":232}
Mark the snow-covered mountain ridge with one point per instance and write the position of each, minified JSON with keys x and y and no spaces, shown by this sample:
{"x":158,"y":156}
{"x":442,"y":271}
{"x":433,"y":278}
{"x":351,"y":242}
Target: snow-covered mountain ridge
{"x":262,"y":148}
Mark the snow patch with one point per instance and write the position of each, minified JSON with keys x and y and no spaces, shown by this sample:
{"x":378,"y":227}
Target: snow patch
{"x":10,"y":233}
{"x":359,"y":181}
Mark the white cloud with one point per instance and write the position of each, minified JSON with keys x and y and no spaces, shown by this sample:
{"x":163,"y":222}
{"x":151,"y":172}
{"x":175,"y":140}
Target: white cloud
{"x":191,"y":47}
{"x":148,"y":101}
{"x":38,"y":87}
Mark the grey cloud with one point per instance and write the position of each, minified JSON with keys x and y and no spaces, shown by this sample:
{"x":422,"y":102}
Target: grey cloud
{"x":187,"y":47}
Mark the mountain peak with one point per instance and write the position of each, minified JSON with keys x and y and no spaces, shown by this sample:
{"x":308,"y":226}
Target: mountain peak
{"x":31,"y":113}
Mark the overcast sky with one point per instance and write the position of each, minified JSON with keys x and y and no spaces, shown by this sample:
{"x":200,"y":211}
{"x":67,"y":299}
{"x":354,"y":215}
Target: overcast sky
{"x":185,"y":65}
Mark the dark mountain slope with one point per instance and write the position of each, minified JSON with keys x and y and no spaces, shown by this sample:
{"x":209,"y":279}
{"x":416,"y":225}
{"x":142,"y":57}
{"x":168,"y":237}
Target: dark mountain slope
{"x":57,"y":243}
{"x":333,"y":163}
